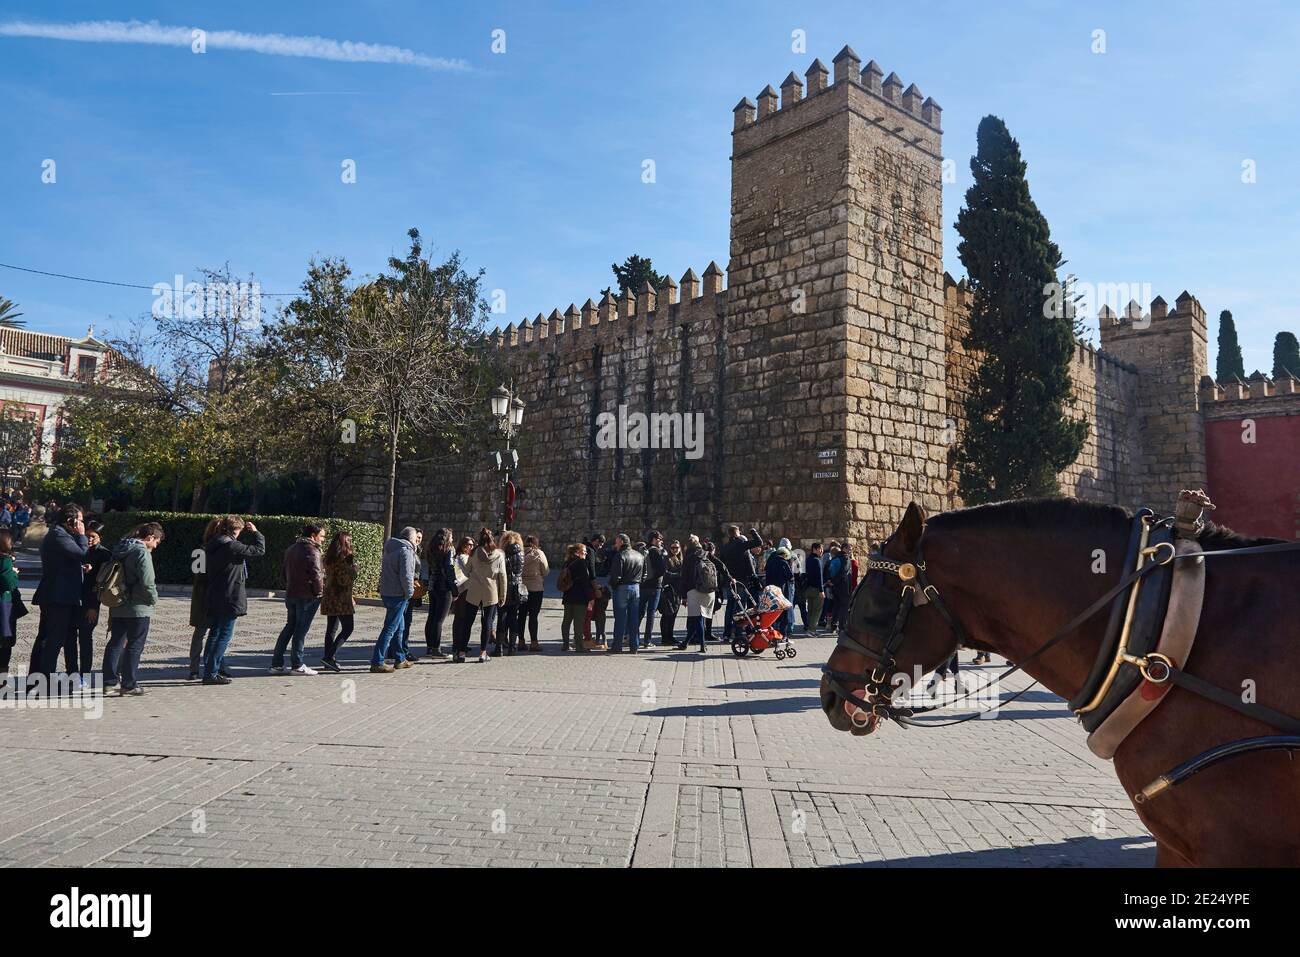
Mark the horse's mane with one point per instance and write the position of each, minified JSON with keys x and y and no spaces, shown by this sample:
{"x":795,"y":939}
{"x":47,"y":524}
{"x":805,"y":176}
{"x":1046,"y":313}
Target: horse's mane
{"x":1035,"y":513}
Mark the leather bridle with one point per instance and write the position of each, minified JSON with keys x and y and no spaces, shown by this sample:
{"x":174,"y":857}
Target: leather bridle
{"x":915,"y":590}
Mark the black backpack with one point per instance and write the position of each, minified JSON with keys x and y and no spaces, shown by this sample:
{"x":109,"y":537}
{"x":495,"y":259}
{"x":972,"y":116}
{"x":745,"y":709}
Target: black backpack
{"x":707,"y":576}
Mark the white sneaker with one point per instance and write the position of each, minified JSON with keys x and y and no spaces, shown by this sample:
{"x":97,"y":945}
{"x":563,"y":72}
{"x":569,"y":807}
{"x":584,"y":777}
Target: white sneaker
{"x":303,"y":670}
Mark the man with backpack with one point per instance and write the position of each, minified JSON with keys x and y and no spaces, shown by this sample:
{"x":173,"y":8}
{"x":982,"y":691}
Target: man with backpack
{"x":656,"y":563}
{"x":130,"y":593}
{"x":700,"y":578}
{"x":63,"y":567}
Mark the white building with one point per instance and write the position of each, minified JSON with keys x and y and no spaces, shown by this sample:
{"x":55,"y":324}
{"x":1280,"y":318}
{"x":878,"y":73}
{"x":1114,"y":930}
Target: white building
{"x":39,"y":371}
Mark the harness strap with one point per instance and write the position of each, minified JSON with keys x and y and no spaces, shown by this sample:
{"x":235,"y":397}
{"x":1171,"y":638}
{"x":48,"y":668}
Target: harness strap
{"x":1254,"y":710}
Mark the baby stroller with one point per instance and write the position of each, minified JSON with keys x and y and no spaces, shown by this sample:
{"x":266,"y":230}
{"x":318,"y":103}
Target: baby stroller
{"x":754,"y":632}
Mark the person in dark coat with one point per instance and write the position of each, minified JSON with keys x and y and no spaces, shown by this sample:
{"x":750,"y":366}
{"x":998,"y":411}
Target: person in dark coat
{"x":840,"y":576}
{"x":225,"y":559}
{"x":814,"y":587}
{"x":652,"y":581}
{"x":304,"y":581}
{"x":779,"y":572}
{"x":199,"y":607}
{"x":577,"y":598}
{"x":96,"y":555}
{"x":10,"y":602}
{"x":670,"y":599}
{"x":737,"y":554}
{"x":63,"y":568}
{"x":440,"y":588}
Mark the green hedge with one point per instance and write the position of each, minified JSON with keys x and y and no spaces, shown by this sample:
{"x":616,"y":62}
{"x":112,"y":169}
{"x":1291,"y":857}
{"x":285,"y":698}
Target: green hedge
{"x":173,"y":559}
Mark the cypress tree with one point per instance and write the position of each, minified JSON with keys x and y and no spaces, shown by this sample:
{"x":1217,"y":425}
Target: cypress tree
{"x":1286,"y":356}
{"x":1228,"y":364}
{"x":1018,"y":436}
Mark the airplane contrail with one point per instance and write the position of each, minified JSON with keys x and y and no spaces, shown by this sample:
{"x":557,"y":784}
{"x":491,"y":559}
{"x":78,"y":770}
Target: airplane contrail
{"x":273,"y":44}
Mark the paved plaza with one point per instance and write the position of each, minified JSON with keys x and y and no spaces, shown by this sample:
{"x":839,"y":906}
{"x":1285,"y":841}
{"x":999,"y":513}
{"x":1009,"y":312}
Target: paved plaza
{"x":654,"y":760}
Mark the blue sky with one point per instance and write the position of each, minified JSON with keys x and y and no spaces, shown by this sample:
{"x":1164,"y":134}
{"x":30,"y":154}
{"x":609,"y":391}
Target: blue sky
{"x":530,"y":161}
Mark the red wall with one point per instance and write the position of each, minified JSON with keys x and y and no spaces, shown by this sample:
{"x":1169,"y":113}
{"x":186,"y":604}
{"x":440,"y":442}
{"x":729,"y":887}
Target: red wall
{"x":1255,"y":486}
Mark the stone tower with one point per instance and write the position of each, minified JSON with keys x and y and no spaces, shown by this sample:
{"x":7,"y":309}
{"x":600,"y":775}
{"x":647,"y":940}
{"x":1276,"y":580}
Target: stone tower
{"x":1170,"y":353}
{"x":835,"y":306}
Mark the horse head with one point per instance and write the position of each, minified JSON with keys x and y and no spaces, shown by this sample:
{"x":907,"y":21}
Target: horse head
{"x":921,"y":637}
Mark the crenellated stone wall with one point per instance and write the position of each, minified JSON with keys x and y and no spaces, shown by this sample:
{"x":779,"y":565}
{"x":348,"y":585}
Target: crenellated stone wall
{"x":829,"y":372}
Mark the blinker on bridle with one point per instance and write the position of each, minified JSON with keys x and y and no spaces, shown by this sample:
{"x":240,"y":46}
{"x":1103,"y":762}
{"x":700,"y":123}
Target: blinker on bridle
{"x":915,"y":590}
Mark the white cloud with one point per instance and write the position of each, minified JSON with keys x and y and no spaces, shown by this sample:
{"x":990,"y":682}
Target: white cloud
{"x":273,"y":44}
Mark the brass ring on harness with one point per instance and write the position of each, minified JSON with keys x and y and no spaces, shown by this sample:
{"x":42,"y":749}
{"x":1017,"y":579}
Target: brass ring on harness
{"x":1155,"y":550}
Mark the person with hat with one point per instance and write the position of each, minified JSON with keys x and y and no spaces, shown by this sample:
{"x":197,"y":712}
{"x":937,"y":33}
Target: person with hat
{"x":778,"y":572}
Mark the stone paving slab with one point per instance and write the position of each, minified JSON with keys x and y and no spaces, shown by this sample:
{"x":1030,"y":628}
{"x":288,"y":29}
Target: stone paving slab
{"x":662,"y":759}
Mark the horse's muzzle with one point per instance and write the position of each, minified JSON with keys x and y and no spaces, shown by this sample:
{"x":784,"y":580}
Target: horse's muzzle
{"x":844,"y":715}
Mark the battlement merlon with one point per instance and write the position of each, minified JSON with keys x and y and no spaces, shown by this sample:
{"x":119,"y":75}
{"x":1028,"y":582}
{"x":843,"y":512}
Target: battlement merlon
{"x":906,"y":113}
{"x":1257,"y":398}
{"x":1134,"y":321}
{"x":643,"y":308}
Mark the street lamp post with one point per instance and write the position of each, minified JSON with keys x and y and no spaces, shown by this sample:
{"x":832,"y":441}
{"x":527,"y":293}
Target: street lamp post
{"x":508,"y":411}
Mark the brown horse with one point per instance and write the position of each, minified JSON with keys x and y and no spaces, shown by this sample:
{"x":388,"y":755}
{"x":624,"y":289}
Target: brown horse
{"x":1013,"y":573}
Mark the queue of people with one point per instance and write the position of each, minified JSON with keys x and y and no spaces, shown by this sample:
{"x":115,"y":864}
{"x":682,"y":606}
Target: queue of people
{"x":80,"y":577}
{"x":494,"y":585}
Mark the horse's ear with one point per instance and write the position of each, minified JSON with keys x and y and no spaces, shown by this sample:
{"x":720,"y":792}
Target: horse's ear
{"x":908,"y":535}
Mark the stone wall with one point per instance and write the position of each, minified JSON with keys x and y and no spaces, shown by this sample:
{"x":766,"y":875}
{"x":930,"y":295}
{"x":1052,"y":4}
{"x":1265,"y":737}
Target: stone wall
{"x":829,"y":373}
{"x":1170,"y":353}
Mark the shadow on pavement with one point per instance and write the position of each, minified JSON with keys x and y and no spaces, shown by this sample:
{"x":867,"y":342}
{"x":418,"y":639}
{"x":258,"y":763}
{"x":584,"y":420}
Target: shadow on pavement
{"x":1072,"y":852}
{"x":729,"y":709}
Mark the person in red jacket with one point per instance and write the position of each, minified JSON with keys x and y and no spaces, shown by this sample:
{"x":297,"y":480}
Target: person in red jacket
{"x":304,"y":584}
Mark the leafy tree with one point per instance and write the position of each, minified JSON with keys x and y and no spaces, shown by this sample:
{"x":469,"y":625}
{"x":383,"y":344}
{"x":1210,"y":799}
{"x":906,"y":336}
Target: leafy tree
{"x":184,"y":399}
{"x":9,"y":313}
{"x":1228,"y":364}
{"x":1286,"y":356}
{"x":325,"y":416}
{"x":1018,"y":437}
{"x":633,"y":273}
{"x":411,"y":346}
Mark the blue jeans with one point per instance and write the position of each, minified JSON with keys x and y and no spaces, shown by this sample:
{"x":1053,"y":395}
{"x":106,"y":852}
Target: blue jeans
{"x":125,"y":645}
{"x":393,"y":623}
{"x":301,"y":613}
{"x":787,"y":618}
{"x":220,"y":631}
{"x":645,"y":611}
{"x":695,"y":632}
{"x":733,"y":609}
{"x":627,"y":599}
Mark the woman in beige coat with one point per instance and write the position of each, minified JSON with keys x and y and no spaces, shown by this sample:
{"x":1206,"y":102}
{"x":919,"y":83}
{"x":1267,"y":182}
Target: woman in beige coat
{"x":535,"y":571}
{"x":485,"y":589}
